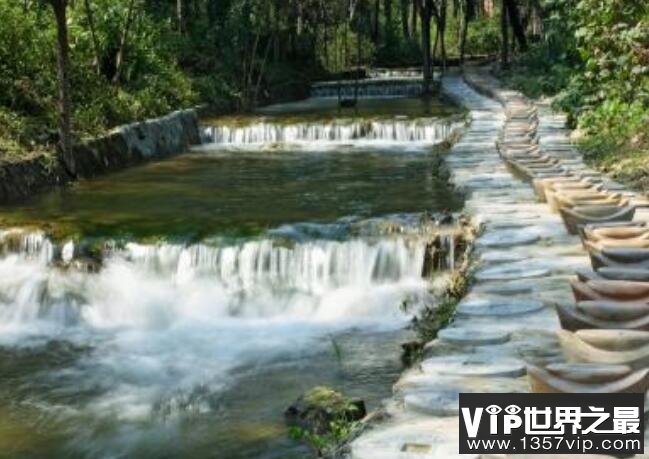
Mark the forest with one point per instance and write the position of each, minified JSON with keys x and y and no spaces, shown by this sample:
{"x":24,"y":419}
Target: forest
{"x":73,"y":69}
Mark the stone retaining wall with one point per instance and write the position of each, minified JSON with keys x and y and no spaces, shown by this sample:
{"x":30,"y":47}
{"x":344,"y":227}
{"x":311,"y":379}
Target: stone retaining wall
{"x":122,"y":147}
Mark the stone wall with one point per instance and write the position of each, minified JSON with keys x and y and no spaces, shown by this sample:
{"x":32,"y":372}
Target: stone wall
{"x":135,"y":143}
{"x":122,"y":147}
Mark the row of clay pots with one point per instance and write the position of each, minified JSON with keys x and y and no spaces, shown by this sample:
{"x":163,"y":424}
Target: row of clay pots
{"x":605,"y":336}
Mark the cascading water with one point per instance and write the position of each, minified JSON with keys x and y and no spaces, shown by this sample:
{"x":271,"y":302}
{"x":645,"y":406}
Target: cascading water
{"x":254,"y":279}
{"x":370,"y":88}
{"x":421,"y":130}
{"x":128,"y":346}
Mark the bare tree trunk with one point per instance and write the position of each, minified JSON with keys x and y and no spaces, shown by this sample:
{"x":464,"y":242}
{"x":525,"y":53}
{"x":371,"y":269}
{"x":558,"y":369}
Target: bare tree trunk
{"x":181,"y":16}
{"x":375,"y":25}
{"x":425,"y":7}
{"x":537,"y":18}
{"x":63,"y":72}
{"x":387,"y":13}
{"x":442,"y":33}
{"x":93,"y":35}
{"x":515,"y":22}
{"x":261,"y":73}
{"x":465,"y":27}
{"x":119,"y":60}
{"x":504,"y":32}
{"x":405,"y":24}
{"x":414,"y":14}
{"x":435,"y":44}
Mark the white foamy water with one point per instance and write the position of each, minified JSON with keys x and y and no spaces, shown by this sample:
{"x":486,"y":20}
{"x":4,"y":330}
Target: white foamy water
{"x":425,"y":131}
{"x":165,"y":319}
{"x":154,"y":285}
{"x":369,"y":88}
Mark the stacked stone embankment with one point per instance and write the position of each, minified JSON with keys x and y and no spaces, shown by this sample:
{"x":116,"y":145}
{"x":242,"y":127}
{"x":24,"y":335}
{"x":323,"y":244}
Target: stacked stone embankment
{"x":122,"y":147}
{"x":534,"y":197}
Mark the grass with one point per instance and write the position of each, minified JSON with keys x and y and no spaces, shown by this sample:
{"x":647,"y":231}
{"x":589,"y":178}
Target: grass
{"x":627,"y":163}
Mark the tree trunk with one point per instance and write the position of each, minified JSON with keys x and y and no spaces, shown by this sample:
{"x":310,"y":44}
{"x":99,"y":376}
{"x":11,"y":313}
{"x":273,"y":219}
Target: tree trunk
{"x":119,"y":59}
{"x":468,"y":10}
{"x":515,"y":21}
{"x":414,"y":14}
{"x":93,"y":35}
{"x":387,"y":13}
{"x":442,"y":33}
{"x":63,"y":72}
{"x":181,"y":16}
{"x":375,"y":25}
{"x":405,"y":24}
{"x":504,"y":31}
{"x":425,"y":7}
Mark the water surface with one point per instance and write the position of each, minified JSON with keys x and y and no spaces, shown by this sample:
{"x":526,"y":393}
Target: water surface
{"x":231,"y":279}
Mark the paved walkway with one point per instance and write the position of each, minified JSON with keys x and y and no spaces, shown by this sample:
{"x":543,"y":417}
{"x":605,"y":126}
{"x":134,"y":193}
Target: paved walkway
{"x":525,"y":259}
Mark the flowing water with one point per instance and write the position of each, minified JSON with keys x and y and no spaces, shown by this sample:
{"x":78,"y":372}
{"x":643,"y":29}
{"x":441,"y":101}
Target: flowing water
{"x":175,"y":309}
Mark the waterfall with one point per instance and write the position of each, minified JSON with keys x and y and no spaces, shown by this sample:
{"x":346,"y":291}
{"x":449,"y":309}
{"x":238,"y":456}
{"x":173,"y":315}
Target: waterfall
{"x":385,"y":73}
{"x":422,"y":130}
{"x":388,"y":87}
{"x":153,"y":284}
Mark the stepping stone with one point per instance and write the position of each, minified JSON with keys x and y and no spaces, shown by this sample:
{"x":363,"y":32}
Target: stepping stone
{"x":433,"y":403}
{"x":472,"y":336}
{"x":475,"y":365}
{"x":507,"y":238}
{"x":496,"y":215}
{"x":500,"y":256}
{"x":498,"y":308}
{"x":505,"y":225}
{"x":506,"y":289}
{"x":512,"y":271}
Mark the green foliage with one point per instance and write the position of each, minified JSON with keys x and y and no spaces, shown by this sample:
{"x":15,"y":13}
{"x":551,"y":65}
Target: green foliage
{"x":483,"y":36}
{"x":339,"y":429}
{"x":151,"y":84}
{"x":595,"y":57}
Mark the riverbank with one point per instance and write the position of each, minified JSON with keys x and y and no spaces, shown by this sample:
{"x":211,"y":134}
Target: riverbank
{"x":121,"y":147}
{"x":524,"y":259}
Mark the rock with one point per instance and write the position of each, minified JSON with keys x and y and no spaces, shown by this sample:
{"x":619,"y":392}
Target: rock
{"x":433,"y":403}
{"x":500,"y":256}
{"x":498,"y":308}
{"x":507,"y":238}
{"x":411,"y":352}
{"x":512,"y":271}
{"x":317,"y":408}
{"x":474,"y":365}
{"x":473,"y":336}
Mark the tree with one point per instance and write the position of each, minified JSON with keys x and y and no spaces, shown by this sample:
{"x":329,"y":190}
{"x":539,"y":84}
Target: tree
{"x":63,"y":71}
{"x":119,"y":58}
{"x":504,"y":31}
{"x":514,"y":18}
{"x":93,"y":35}
{"x":439,"y":10}
{"x":468,"y":11}
{"x":405,"y":23}
{"x":426,"y":10}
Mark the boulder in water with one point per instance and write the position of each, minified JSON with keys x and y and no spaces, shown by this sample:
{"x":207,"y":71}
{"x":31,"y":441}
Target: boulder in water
{"x":318,"y":408}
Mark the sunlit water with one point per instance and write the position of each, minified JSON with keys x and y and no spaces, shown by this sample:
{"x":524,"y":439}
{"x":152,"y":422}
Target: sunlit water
{"x":224,"y":283}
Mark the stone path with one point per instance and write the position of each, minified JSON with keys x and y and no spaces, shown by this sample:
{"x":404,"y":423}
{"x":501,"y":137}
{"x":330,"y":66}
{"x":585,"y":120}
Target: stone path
{"x":526,"y":258}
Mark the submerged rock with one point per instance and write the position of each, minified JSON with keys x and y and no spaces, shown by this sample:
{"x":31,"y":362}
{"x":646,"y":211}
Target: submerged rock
{"x":316,"y":409}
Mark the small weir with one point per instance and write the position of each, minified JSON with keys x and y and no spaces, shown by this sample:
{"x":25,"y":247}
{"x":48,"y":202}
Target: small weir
{"x":423,"y":130}
{"x":375,"y":87}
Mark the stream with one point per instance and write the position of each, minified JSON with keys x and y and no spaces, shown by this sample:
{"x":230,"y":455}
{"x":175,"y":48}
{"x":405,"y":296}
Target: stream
{"x":175,"y":309}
